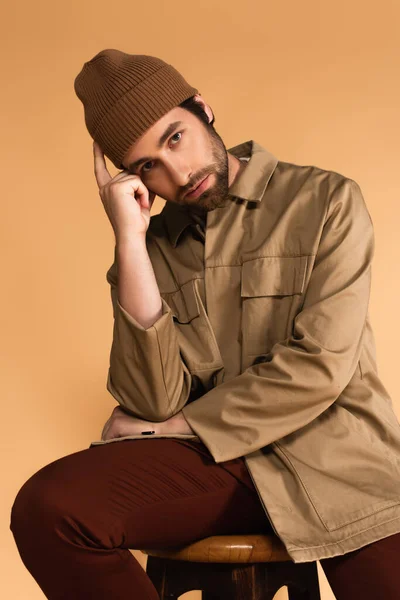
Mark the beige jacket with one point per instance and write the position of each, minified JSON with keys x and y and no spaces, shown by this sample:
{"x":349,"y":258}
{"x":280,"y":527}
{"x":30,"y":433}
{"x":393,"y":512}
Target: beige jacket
{"x":266,"y":345}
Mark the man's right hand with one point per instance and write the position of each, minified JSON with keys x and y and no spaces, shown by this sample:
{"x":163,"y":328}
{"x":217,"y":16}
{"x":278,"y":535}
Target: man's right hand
{"x":125,"y":198}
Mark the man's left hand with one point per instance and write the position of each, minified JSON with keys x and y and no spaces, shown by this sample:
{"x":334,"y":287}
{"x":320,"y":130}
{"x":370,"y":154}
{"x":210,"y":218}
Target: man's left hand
{"x":121,"y":424}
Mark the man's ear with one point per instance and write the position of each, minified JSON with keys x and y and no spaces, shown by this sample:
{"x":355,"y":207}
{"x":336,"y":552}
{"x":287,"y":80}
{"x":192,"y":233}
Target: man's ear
{"x":206,"y":107}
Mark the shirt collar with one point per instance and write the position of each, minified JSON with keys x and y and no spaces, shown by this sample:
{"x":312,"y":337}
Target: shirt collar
{"x":250,"y":184}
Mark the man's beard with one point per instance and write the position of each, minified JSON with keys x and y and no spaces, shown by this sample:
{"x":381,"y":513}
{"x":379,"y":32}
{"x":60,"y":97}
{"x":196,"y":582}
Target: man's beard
{"x":216,"y":195}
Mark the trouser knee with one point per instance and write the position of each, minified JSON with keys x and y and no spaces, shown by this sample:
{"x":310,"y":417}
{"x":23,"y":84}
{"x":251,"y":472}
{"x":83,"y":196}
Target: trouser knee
{"x":58,"y":506}
{"x":35,"y":508}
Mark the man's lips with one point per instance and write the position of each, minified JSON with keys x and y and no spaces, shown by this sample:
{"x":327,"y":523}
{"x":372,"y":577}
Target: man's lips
{"x":199,"y":189}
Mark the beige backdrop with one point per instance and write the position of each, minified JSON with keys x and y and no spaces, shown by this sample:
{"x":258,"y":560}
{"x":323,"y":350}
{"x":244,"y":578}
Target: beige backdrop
{"x":314,"y":82}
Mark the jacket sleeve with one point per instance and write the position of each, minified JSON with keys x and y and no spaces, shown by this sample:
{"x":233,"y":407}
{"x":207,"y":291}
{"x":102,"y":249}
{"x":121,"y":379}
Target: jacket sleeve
{"x":304,"y":374}
{"x":147,"y":375}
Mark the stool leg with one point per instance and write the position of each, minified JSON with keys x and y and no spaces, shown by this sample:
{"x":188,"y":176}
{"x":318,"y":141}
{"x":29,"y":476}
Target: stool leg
{"x":233,"y":581}
{"x":156,"y":570}
{"x":309,"y":578}
{"x":260,"y":581}
{"x":173,"y":578}
{"x":296,"y":594}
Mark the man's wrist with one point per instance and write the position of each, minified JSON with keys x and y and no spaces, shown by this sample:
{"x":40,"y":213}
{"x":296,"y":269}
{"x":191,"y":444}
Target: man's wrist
{"x":124,"y":242}
{"x":175,"y":424}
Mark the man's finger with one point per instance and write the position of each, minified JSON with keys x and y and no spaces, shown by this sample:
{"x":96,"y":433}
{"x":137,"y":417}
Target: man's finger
{"x":100,"y":169}
{"x":152,"y":196}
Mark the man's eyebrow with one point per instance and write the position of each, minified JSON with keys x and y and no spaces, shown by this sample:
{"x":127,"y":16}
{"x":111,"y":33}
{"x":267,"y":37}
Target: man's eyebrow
{"x":171,"y":127}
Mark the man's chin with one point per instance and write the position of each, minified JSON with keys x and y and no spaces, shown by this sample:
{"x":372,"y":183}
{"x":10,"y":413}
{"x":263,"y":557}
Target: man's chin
{"x":205,"y":204}
{"x":209,"y":200}
{"x":215,"y":201}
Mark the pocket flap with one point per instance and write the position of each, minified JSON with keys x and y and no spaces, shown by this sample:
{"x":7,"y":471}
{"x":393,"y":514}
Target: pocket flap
{"x":273,"y":276}
{"x":183,"y":302}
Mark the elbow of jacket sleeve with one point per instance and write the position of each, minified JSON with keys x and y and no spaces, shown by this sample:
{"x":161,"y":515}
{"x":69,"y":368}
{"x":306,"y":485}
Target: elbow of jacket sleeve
{"x":148,"y":400}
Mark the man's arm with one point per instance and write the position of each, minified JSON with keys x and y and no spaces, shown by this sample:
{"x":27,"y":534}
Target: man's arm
{"x":146,"y":376}
{"x":138,"y":291}
{"x":304,"y":374}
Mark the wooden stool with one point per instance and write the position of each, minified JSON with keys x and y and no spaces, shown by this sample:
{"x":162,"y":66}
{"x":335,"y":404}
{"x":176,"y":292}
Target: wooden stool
{"x":231,"y":567}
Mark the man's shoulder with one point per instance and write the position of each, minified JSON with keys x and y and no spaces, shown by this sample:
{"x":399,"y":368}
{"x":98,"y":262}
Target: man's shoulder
{"x":311,"y":188}
{"x":311,"y":171}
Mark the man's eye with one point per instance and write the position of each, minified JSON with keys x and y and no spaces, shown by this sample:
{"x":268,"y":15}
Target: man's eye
{"x":174,"y":139}
{"x":144,"y":166}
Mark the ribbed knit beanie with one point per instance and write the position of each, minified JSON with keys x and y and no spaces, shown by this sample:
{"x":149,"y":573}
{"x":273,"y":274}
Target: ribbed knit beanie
{"x":124,"y":94}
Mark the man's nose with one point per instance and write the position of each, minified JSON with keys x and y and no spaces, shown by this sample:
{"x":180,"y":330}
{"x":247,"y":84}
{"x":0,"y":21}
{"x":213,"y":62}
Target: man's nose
{"x":180,"y":173}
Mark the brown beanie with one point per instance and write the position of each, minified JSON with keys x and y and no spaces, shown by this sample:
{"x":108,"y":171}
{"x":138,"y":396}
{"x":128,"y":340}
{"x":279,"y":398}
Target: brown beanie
{"x":124,"y":94}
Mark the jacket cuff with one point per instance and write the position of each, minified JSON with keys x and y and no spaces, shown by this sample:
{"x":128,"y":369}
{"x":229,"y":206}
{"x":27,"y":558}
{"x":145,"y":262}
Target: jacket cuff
{"x":136,"y":325}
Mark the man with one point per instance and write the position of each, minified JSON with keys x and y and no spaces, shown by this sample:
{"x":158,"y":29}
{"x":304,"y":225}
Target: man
{"x":243,"y":359}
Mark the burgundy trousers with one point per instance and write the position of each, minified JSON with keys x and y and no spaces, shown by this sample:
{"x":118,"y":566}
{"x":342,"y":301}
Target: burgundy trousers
{"x":75,"y":519}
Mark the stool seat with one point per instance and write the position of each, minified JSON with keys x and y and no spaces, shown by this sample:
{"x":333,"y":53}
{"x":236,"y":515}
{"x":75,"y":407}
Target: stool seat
{"x":231,"y":567}
{"x":252,"y":548}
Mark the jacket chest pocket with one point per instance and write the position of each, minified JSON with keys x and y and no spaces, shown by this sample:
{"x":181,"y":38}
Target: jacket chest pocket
{"x":272,"y":293}
{"x":183,"y":303}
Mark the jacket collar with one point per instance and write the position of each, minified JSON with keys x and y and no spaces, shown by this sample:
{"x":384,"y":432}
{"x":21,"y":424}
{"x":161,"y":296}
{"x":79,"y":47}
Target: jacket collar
{"x":253,"y":180}
{"x":250,"y":185}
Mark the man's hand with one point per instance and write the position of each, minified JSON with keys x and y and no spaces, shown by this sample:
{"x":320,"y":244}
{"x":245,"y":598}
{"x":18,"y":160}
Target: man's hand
{"x":125,"y":198}
{"x":122,"y":423}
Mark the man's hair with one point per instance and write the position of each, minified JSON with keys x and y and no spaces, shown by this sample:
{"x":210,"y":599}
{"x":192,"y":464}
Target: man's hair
{"x":194,"y":107}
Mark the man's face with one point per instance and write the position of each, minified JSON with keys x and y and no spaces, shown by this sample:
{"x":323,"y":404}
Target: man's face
{"x":176,"y":154}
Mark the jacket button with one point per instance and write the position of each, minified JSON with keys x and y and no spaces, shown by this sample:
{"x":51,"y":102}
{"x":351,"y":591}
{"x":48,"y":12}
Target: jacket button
{"x":262,"y":358}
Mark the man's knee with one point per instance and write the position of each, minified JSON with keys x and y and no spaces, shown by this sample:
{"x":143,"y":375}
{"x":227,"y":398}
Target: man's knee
{"x":38,"y":502}
{"x":59,"y":504}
